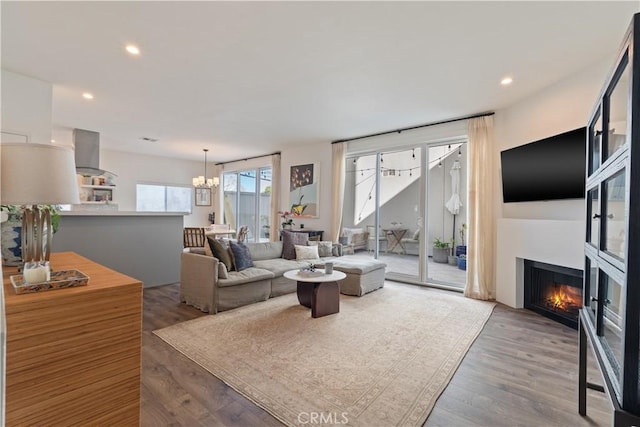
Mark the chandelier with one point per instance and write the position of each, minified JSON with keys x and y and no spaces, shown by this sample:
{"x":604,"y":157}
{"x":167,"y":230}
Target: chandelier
{"x":203,"y":182}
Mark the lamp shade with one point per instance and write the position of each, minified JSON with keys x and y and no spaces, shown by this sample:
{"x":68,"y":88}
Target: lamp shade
{"x":37,"y":174}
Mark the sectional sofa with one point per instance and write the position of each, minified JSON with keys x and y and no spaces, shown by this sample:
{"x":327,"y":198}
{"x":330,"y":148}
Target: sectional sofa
{"x":207,"y":286}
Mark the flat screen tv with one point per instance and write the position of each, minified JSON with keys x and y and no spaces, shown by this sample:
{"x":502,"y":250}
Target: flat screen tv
{"x":550,"y":169}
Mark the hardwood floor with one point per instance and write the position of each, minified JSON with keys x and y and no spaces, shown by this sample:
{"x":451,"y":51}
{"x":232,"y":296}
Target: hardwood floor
{"x":522,"y":370}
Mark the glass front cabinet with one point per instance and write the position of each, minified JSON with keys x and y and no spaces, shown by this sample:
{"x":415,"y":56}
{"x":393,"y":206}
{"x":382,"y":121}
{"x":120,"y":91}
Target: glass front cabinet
{"x":610,"y":316}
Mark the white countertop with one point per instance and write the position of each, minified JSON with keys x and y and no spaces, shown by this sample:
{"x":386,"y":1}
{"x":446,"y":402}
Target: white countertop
{"x":120,"y":213}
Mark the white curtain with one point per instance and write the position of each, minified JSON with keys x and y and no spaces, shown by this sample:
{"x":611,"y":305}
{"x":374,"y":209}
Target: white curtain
{"x":337,"y":188}
{"x":274,"y":234}
{"x":480,"y":241}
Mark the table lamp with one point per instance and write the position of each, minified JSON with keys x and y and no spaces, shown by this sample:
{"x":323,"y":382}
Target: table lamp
{"x":33,"y":175}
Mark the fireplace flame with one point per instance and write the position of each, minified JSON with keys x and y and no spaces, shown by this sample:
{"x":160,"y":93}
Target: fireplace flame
{"x":562,"y":300}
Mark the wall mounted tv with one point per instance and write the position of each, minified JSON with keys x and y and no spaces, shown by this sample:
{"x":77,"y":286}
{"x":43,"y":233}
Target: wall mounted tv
{"x":550,"y":169}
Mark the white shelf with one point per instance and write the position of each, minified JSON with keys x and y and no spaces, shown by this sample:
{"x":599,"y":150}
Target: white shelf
{"x":105,"y":187}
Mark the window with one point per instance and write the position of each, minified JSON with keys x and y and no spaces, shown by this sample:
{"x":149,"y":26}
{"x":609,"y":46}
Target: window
{"x":163,"y":198}
{"x":247,"y":201}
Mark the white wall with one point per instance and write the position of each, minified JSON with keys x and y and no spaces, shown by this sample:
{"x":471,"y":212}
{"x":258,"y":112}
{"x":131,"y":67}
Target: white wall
{"x":322,"y":154}
{"x":135,"y":169}
{"x":561,"y":107}
{"x":26,"y":107}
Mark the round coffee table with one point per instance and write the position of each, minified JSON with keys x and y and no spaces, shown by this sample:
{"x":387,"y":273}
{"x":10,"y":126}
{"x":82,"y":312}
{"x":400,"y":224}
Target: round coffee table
{"x":320,"y":293}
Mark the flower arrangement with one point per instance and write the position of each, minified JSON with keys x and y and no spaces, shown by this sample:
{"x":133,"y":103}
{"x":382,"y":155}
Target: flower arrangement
{"x":287,"y":221}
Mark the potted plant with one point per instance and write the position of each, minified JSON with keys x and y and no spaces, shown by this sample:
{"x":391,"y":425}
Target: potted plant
{"x":287,"y":221}
{"x":462,"y":249}
{"x":441,"y":251}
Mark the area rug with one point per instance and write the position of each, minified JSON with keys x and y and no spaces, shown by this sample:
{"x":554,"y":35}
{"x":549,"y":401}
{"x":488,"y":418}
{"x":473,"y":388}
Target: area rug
{"x":382,"y":361}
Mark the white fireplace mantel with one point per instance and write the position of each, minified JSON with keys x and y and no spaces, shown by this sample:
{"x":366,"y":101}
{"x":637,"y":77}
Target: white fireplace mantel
{"x":552,"y":241}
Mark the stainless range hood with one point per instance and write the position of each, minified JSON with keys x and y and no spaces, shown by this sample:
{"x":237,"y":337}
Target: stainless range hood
{"x":87,"y":152}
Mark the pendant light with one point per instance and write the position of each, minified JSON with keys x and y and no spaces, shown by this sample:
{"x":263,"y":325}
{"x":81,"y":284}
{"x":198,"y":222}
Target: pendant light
{"x":202,"y":181}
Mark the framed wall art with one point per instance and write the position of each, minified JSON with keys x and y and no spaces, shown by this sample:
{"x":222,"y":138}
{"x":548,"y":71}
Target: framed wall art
{"x":203,"y":197}
{"x":304,"y":193}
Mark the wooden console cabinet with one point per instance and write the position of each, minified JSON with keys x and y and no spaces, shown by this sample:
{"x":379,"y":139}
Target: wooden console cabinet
{"x":73,"y":355}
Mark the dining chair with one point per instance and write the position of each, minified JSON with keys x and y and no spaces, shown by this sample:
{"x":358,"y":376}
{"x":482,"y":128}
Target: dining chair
{"x":193,"y":237}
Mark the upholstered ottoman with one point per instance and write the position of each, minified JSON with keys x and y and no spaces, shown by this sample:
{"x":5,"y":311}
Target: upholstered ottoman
{"x":363,"y":276}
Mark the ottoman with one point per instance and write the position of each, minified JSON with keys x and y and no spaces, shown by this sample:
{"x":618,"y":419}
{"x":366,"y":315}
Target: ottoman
{"x":363,"y":276}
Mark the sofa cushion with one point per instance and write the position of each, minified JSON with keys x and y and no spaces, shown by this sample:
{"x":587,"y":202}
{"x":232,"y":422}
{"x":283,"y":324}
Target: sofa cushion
{"x":223,"y":273}
{"x":248,"y":275}
{"x":278,"y":266}
{"x":220,"y":251}
{"x":358,"y":267}
{"x":265,"y":250}
{"x":306,"y":252}
{"x":289,"y":239}
{"x":325,"y":247}
{"x":241,"y":256}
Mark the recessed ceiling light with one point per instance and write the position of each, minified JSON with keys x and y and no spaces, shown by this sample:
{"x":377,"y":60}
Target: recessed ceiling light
{"x":506,"y":81}
{"x":87,"y":95}
{"x":133,"y":49}
{"x":53,"y":141}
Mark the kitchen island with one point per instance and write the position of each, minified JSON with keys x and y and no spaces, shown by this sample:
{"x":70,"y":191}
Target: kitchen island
{"x":145,"y":245}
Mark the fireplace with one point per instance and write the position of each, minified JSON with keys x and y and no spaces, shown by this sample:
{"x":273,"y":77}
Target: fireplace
{"x":553,"y":291}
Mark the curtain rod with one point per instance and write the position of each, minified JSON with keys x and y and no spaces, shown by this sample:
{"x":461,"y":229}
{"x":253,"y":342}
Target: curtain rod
{"x":248,"y":158}
{"x":473,"y":116}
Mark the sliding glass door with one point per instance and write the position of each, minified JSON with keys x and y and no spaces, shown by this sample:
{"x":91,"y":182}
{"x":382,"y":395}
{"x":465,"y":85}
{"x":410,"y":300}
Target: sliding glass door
{"x":400,"y":217}
{"x":247,"y":201}
{"x":411,"y":205}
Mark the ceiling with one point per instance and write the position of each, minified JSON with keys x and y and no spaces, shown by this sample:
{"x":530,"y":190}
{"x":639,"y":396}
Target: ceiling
{"x":250,"y":78}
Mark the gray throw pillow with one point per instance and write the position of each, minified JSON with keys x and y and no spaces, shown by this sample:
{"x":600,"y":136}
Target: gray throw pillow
{"x":324,"y":247}
{"x":219,"y":250}
{"x":289,"y":239}
{"x":241,"y":256}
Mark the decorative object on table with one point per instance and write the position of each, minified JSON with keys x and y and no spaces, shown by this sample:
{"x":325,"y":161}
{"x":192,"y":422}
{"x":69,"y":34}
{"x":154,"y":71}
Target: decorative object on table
{"x":287,"y":221}
{"x":440,"y":251}
{"x":36,"y":272}
{"x":452,"y":260}
{"x":462,"y":262}
{"x":303,"y":190}
{"x":58,"y":280}
{"x":310,"y":271}
{"x":328,"y":267}
{"x":34,"y":175}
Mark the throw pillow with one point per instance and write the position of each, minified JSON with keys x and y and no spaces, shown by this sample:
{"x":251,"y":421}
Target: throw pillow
{"x":325,"y":247}
{"x":219,"y":250}
{"x":289,"y":239}
{"x":336,"y":250}
{"x":222,"y":271}
{"x":306,"y":252}
{"x":416,"y":235}
{"x":241,"y":256}
{"x":207,"y":249}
